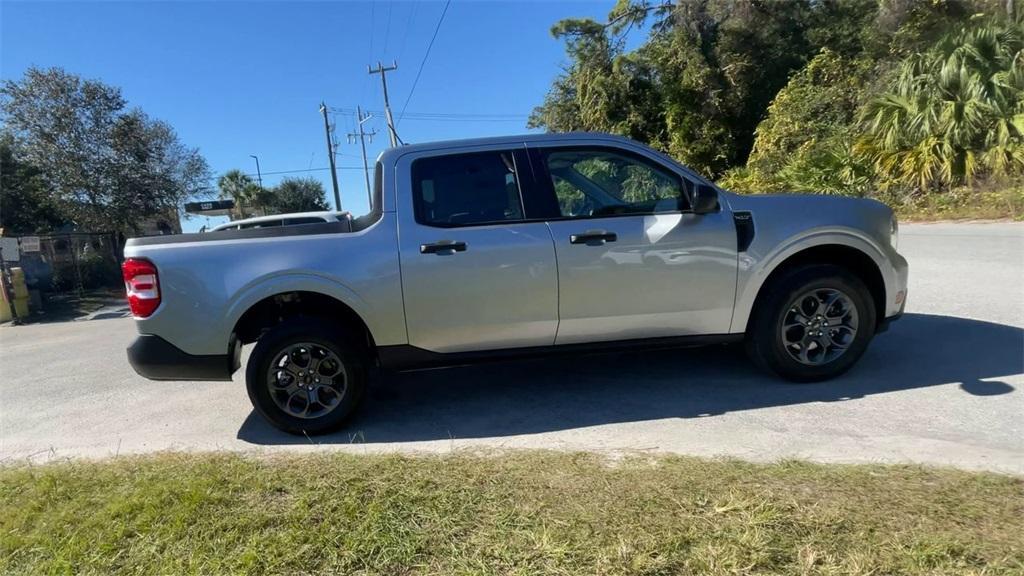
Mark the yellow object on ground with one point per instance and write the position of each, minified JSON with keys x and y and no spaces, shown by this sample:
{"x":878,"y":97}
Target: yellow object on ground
{"x":20,"y":290}
{"x":18,"y":281}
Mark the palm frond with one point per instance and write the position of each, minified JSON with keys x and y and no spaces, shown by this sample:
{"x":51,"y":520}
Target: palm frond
{"x":953,"y":112}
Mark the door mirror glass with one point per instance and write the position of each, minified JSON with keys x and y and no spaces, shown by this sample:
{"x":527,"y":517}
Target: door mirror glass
{"x":705,"y":199}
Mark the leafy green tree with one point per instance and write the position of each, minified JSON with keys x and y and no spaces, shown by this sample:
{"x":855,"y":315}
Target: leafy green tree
{"x":803,"y":142}
{"x":906,"y":27}
{"x":593,"y":92}
{"x":701,"y":83}
{"x":831,"y":167}
{"x":105,"y":167}
{"x":290,"y":195}
{"x":819,"y":102}
{"x":719,"y":82}
{"x":953,"y":113}
{"x":811,"y":139}
{"x":848,"y":28}
{"x":26,"y":204}
{"x":298,"y":195}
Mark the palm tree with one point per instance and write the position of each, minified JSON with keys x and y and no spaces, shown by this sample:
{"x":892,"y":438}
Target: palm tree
{"x":242,"y":189}
{"x":952,"y":113}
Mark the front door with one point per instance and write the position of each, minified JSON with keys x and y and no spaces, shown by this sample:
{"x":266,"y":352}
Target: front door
{"x":475,"y":276}
{"x":633,"y":261}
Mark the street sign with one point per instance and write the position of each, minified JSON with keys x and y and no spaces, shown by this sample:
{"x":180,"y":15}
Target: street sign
{"x":9,"y":249}
{"x":210,"y":207}
{"x":30,"y":243}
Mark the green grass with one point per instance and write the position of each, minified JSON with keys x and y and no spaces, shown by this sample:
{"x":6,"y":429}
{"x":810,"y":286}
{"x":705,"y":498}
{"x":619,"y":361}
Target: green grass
{"x":519,"y":513}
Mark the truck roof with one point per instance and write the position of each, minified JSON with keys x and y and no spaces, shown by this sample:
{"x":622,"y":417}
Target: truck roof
{"x":325,"y":214}
{"x":389,"y":153}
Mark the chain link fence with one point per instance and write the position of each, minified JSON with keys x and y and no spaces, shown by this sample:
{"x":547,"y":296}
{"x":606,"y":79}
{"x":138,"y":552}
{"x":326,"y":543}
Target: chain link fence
{"x":73,"y":262}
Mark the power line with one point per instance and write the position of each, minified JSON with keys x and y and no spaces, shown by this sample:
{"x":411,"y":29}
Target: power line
{"x":352,"y":111}
{"x":296,"y":171}
{"x":387,"y":30}
{"x":373,"y":16}
{"x":467,"y":115}
{"x":310,"y":170}
{"x":369,"y":52}
{"x":424,"y":61}
{"x":444,"y":116}
{"x":408,"y":26}
{"x":415,"y":119}
{"x":461,"y":115}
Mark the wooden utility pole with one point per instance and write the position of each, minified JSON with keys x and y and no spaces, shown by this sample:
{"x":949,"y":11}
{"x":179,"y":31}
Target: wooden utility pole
{"x":361,"y":135}
{"x":383,"y":70}
{"x":330,"y":157}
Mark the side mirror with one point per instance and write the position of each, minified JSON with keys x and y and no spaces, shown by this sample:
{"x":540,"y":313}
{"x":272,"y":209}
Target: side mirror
{"x":705,"y":199}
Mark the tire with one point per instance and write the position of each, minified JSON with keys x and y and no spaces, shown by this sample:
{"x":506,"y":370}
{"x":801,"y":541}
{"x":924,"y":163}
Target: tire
{"x":783,"y":339}
{"x":284,"y":398}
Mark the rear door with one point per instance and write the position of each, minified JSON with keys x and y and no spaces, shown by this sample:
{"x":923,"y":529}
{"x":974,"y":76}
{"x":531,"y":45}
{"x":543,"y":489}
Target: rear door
{"x":475,"y":274}
{"x":633,"y":261}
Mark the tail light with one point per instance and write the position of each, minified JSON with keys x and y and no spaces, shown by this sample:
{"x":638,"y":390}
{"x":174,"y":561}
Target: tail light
{"x":142,"y":285}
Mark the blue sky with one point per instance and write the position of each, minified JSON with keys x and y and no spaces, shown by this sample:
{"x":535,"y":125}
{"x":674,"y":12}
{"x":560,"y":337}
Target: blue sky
{"x":241,"y":78}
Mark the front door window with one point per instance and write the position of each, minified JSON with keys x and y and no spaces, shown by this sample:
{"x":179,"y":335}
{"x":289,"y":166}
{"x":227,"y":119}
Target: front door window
{"x":596,"y":182}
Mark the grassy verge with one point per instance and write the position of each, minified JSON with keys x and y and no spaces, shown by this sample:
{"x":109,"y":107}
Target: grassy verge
{"x":962,"y":204}
{"x":524,"y":513}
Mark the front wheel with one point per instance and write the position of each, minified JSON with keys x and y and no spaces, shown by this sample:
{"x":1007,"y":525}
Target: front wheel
{"x":815,"y":323}
{"x":305,"y":377}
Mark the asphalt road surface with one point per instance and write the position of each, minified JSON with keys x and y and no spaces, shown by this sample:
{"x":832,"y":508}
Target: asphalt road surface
{"x":944,"y":386}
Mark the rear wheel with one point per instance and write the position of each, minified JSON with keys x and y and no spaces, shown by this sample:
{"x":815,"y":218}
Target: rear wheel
{"x":815,"y":323}
{"x":305,"y":377}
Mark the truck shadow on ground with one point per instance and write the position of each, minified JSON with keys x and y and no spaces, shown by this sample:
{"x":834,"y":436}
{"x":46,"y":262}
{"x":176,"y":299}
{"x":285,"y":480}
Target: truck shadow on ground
{"x":572,"y":392}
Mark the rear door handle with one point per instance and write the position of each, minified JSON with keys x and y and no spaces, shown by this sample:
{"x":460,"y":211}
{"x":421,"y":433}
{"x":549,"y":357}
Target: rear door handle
{"x":443,"y":247}
{"x":593,"y":238}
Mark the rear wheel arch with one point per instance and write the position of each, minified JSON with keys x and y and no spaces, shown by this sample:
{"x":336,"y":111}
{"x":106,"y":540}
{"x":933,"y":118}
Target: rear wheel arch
{"x":279,"y":308}
{"x":306,"y":375}
{"x":854,"y":260}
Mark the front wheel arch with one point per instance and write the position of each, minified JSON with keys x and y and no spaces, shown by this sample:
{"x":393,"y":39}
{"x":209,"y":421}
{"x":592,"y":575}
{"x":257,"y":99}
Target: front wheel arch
{"x":851,"y":259}
{"x":768,"y":341}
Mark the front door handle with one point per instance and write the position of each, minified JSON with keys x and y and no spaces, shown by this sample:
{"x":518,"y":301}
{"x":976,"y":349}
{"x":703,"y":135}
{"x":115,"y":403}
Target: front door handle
{"x":443,"y":247}
{"x":594,"y":238}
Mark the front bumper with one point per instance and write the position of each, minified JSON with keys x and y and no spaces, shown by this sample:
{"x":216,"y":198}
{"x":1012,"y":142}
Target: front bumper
{"x":157,"y":359}
{"x":901,"y":297}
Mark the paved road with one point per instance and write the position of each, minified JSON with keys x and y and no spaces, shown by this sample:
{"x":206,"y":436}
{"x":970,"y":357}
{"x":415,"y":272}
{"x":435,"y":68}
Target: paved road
{"x":944,"y":386}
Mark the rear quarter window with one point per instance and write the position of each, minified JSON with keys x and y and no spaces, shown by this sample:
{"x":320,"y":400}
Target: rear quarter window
{"x":304,"y":220}
{"x":266,"y":224}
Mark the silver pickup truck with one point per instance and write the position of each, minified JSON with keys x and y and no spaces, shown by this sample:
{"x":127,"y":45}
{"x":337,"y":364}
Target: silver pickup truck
{"x":512,"y":246}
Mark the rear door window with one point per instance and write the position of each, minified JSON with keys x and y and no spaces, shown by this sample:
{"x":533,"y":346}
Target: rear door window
{"x":467,"y":189}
